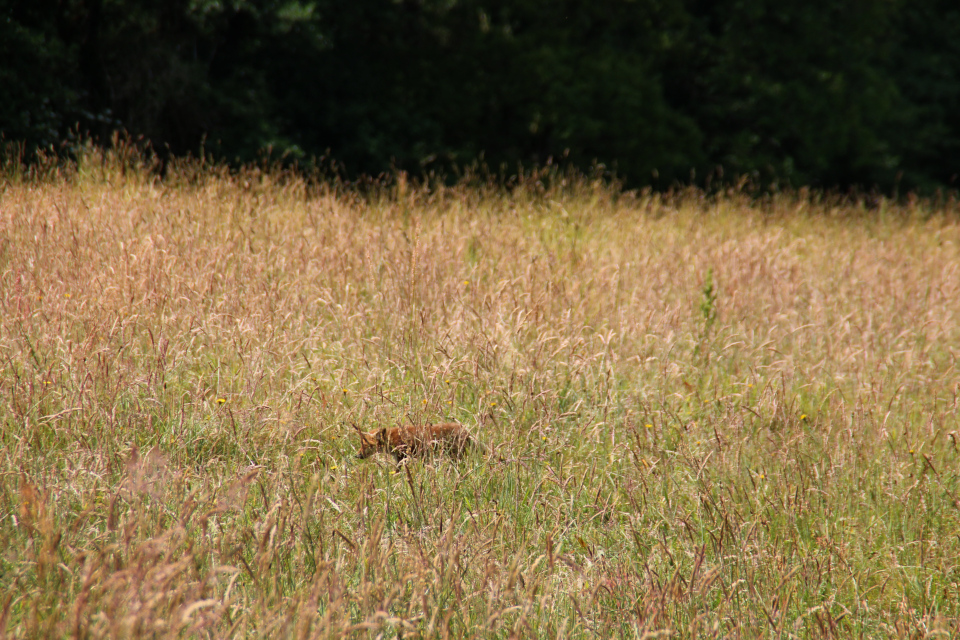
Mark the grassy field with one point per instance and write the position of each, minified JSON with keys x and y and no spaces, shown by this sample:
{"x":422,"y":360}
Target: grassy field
{"x":713,"y":417}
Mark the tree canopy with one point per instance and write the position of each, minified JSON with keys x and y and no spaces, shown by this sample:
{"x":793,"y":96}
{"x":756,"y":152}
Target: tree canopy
{"x":794,"y":92}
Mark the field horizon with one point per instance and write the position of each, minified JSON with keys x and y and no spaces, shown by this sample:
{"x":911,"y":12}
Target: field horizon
{"x":713,"y":415}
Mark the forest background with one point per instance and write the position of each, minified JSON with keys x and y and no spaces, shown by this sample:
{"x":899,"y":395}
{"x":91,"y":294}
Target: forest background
{"x":786,"y":92}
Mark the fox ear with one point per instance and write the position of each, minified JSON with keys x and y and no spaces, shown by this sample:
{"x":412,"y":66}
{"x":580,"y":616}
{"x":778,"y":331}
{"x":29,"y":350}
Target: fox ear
{"x":382,"y":436}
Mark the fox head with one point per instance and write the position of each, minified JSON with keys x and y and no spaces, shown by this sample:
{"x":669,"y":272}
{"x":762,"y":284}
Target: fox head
{"x":370,"y":442}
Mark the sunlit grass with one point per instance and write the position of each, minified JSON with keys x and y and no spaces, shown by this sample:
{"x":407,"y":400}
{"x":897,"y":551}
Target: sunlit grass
{"x":717,"y":417}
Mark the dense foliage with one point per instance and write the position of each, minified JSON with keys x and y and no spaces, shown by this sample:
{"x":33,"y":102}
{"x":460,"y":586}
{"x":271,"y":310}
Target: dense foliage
{"x":819,"y":93}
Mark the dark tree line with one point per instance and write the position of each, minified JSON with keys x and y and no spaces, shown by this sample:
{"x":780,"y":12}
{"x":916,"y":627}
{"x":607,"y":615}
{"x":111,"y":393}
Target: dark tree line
{"x":792,"y":91}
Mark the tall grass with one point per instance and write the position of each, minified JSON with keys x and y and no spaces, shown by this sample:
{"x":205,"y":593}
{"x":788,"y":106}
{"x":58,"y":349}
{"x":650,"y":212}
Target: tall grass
{"x":716,"y":417}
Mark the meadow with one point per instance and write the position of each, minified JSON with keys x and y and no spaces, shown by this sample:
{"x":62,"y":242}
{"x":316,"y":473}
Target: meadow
{"x":711,"y":415}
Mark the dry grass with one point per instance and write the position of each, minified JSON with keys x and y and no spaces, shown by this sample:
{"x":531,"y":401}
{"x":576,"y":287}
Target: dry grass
{"x":717,"y":418}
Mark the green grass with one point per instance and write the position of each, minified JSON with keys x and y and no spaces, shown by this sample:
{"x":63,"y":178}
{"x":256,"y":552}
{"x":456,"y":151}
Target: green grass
{"x":716,"y":418}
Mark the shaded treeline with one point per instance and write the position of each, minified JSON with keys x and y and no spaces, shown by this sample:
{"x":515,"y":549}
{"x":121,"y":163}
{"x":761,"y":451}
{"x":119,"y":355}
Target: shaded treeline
{"x":793,"y":92}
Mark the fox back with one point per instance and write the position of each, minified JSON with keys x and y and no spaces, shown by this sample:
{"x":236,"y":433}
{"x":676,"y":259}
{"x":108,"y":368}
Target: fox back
{"x":406,"y":441}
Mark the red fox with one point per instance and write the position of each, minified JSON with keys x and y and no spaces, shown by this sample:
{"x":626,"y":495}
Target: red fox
{"x":402,"y":442}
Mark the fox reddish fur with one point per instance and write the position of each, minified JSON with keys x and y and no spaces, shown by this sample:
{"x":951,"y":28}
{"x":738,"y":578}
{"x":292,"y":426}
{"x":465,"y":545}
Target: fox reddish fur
{"x":407,"y":441}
